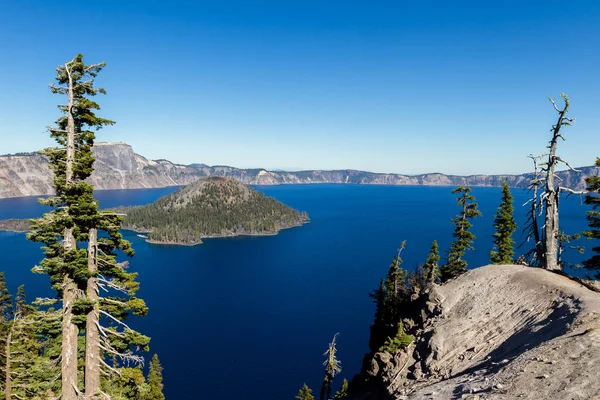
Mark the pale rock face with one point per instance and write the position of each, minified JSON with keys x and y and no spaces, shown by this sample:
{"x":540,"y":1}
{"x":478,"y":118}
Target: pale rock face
{"x":118,"y":167}
{"x":497,"y":332}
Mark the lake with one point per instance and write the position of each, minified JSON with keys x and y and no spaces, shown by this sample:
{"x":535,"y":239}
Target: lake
{"x":249,"y":318}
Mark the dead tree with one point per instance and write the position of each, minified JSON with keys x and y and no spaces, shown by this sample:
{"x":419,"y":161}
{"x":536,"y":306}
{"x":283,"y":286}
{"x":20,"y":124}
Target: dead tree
{"x":549,"y":239}
{"x":551,"y":195}
{"x":332,"y":367}
{"x":534,"y":257}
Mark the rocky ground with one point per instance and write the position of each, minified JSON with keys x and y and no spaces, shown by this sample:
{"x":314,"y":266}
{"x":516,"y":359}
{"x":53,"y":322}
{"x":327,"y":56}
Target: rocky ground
{"x":499,"y":332}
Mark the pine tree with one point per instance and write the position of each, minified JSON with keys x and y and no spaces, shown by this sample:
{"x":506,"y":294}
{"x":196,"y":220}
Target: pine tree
{"x":593,"y":217}
{"x":332,"y":368}
{"x":75,"y":219}
{"x":6,"y":307}
{"x":463,"y":238}
{"x":305,"y":393}
{"x":506,"y":226}
{"x":343,"y":392}
{"x":6,"y":332}
{"x":155,"y":381}
{"x":392,"y":292}
{"x":431,"y":267}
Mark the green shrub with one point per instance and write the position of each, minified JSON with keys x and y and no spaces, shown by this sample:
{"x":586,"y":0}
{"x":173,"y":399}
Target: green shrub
{"x":399,"y":342}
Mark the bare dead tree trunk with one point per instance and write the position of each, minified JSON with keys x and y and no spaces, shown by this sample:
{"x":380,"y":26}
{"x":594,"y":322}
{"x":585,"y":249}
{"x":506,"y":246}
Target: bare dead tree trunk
{"x":534,"y":227}
{"x":92,"y":335}
{"x":551,"y":196}
{"x":69,"y":329}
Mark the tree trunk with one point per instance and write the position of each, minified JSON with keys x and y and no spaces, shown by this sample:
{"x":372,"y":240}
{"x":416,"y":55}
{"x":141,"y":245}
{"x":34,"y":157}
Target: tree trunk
{"x":551,"y":229}
{"x":69,"y":329}
{"x":92,"y":335}
{"x":7,"y":365}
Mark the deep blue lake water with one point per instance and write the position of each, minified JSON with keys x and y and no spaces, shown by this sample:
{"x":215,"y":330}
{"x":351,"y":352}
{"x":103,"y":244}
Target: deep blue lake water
{"x":249,"y":318}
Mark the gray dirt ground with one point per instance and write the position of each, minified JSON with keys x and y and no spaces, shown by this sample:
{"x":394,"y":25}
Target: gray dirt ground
{"x":512,"y":332}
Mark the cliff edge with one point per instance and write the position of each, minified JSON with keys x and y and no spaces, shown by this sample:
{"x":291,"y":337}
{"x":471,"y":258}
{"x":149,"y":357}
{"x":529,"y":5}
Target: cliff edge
{"x":496,"y":332}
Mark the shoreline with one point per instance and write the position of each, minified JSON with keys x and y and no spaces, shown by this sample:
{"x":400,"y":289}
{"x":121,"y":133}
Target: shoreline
{"x":222,"y":236}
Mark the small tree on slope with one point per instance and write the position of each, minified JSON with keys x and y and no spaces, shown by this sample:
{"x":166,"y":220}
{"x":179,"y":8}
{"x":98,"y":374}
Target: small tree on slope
{"x":305,"y":393}
{"x":593,"y":217}
{"x":463,"y":238}
{"x":503,"y":252}
{"x":155,"y":378}
{"x":431,"y":267}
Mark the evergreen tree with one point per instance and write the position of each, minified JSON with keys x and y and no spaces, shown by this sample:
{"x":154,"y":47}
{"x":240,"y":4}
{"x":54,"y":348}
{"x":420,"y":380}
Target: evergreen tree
{"x":392,"y":292}
{"x":155,"y":381}
{"x":593,"y":217}
{"x":343,"y":392}
{"x":506,"y":226}
{"x":463,"y":238}
{"x":75,"y":219}
{"x":6,"y":307}
{"x":6,"y":333}
{"x":431,"y":267}
{"x":305,"y":393}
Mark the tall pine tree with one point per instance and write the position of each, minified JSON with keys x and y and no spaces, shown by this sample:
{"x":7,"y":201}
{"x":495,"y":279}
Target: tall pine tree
{"x":463,"y":238}
{"x":77,"y":273}
{"x":593,"y":217}
{"x":504,"y":222}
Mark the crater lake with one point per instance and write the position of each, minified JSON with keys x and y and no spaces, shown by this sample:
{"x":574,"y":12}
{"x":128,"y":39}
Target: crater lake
{"x":249,"y":318}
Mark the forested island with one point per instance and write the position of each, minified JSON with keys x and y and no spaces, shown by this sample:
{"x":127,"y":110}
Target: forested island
{"x":15,"y":225}
{"x":211,"y":207}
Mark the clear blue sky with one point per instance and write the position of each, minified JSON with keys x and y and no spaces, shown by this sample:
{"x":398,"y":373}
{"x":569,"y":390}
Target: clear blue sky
{"x":408,"y":87}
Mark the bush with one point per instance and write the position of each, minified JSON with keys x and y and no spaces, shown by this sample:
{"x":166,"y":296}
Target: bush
{"x":399,"y":342}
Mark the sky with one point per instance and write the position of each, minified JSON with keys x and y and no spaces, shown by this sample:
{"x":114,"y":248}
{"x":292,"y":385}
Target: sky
{"x":457,"y":87}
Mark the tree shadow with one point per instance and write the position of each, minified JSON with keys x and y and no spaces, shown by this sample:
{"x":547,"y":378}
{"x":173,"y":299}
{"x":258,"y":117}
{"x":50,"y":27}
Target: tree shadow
{"x":533,"y":334}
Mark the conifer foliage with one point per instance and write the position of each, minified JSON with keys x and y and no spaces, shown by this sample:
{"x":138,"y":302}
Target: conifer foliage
{"x":593,"y":216}
{"x":392,"y":293}
{"x":155,"y":378}
{"x":463,"y":238}
{"x":431,"y":267}
{"x":504,"y":222}
{"x":305,"y":393}
{"x":81,"y":245}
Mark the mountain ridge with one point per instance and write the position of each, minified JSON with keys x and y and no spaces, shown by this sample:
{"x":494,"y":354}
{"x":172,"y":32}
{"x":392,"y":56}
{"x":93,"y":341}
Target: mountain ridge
{"x":119,"y":167}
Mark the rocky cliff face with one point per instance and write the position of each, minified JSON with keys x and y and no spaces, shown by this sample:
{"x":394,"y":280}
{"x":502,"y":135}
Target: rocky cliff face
{"x":497,"y":332}
{"x":118,"y":167}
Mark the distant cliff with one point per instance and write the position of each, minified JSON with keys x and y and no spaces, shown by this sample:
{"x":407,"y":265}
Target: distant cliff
{"x":118,"y":167}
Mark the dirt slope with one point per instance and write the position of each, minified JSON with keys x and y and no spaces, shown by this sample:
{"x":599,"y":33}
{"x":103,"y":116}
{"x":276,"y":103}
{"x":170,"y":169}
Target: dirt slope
{"x":511,"y":332}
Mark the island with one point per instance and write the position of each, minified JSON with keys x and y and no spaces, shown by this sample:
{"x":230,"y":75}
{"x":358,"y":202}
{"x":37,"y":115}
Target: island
{"x":15,"y":225}
{"x":209,"y":208}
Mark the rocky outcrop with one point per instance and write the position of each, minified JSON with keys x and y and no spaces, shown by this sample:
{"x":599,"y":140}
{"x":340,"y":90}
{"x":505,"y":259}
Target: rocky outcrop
{"x":497,"y":332}
{"x":118,"y":167}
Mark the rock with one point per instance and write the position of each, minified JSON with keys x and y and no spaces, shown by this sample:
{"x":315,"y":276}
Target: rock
{"x":518,"y":345}
{"x":118,"y":167}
